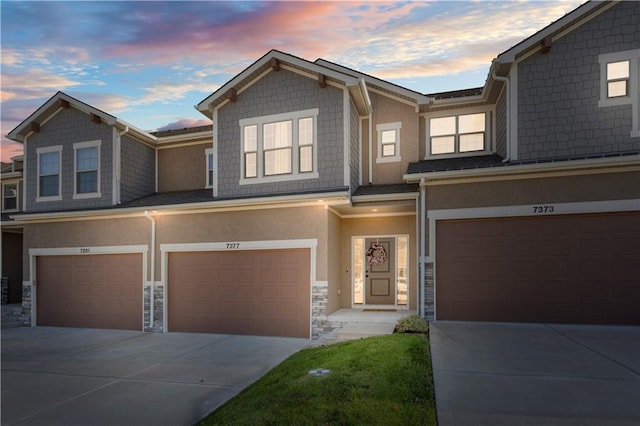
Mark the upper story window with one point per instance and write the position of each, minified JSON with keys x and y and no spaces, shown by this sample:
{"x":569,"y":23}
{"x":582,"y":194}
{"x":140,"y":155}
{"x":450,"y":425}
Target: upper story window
{"x":388,"y":142}
{"x":456,"y":134}
{"x":10,"y":197}
{"x":87,"y":169}
{"x":49,"y":173}
{"x":619,"y":83}
{"x":209,"y":161}
{"x":279,"y":147}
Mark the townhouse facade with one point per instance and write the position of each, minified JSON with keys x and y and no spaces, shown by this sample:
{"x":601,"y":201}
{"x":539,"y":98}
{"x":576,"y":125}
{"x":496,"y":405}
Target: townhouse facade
{"x":318,"y":187}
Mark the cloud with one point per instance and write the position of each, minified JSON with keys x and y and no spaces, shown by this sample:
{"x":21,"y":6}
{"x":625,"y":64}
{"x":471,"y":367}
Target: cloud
{"x":184,"y":123}
{"x":9,"y":149}
{"x":167,"y":92}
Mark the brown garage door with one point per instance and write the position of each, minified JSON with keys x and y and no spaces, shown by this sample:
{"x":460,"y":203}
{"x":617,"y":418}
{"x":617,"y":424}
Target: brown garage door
{"x":556,"y":269}
{"x":259,"y":292}
{"x":95,"y":291}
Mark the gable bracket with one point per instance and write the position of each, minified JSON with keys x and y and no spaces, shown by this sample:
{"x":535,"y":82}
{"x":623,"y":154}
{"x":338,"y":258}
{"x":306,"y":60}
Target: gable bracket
{"x":274,"y":64}
{"x":63,"y":103}
{"x":322,"y":80}
{"x":545,"y":45}
{"x":231,"y":94}
{"x":34,"y":127}
{"x":95,"y":118}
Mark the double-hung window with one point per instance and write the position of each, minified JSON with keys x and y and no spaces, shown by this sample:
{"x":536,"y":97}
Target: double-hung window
{"x":279,"y":147}
{"x":458,"y":134}
{"x":388,"y":142}
{"x":10,"y":197}
{"x":49,"y":175}
{"x":87,"y":169}
{"x":209,"y":164}
{"x":620,"y":83}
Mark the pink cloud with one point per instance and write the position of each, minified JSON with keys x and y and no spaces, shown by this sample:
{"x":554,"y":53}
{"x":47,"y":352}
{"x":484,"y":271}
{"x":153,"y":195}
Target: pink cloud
{"x":9,"y":149}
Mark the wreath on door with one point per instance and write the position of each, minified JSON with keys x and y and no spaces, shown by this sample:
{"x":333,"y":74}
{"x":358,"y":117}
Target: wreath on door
{"x":376,"y":254}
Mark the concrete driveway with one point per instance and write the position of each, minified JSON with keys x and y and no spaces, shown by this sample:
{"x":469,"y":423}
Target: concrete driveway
{"x":70,"y":376}
{"x":536,"y":374}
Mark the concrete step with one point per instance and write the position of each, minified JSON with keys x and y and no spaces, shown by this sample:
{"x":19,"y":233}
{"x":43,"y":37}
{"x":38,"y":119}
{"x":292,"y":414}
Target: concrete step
{"x":11,"y":323}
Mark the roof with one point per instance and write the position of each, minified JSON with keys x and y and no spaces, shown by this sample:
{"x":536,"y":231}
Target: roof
{"x":398,"y":188}
{"x":273,"y":60}
{"x":495,"y":161}
{"x":477,"y":91}
{"x":183,"y":131}
{"x":60,"y":101}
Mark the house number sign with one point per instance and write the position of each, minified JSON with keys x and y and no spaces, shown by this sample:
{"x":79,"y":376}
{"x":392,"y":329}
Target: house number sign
{"x":85,"y":250}
{"x":233,"y":245}
{"x":543,"y":209}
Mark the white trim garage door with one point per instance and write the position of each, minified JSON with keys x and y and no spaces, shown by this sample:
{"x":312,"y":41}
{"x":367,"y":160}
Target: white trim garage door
{"x":255,"y":292}
{"x":93,"y":291}
{"x":555,"y":269}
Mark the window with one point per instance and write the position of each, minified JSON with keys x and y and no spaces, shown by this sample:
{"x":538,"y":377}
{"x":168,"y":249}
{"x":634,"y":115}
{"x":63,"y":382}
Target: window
{"x":617,"y":79}
{"x":619,"y":83}
{"x":209,"y":158}
{"x":87,"y":169}
{"x":388,"y":142}
{"x":49,"y":176}
{"x":10,"y":197}
{"x":457,"y":134}
{"x":279,"y":147}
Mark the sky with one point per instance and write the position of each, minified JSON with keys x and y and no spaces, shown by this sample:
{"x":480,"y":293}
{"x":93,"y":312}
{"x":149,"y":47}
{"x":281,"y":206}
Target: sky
{"x":149,"y":63}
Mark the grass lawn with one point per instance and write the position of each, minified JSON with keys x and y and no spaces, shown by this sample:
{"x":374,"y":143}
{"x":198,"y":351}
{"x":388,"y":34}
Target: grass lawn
{"x":378,"y":380}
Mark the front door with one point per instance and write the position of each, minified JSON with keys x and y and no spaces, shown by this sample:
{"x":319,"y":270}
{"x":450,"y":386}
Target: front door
{"x":380,"y":271}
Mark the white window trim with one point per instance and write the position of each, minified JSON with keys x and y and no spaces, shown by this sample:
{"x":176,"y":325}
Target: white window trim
{"x":79,"y":145}
{"x":489,"y":141}
{"x":295,"y":151}
{"x":207,"y":153}
{"x":633,"y":99}
{"x":46,"y":150}
{"x":397,"y":125}
{"x":17,"y":197}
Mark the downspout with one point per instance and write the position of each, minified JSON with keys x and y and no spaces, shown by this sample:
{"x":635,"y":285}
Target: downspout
{"x":153,"y":267}
{"x":118,"y":166}
{"x":508,"y":112}
{"x":423,"y":243}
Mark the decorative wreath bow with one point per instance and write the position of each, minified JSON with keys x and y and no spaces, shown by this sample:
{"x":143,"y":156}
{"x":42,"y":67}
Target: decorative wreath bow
{"x":376,"y":254}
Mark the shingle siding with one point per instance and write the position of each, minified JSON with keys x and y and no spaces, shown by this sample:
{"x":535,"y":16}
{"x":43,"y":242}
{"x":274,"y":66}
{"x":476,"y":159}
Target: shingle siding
{"x":137,"y":165}
{"x":501,"y":124}
{"x":282,"y":92}
{"x":67,"y":127}
{"x":354,"y":148}
{"x":558,"y":92}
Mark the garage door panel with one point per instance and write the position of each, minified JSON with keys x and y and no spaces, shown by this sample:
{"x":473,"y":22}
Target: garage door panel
{"x":84,"y":291}
{"x":253,"y":292}
{"x":553,"y":269}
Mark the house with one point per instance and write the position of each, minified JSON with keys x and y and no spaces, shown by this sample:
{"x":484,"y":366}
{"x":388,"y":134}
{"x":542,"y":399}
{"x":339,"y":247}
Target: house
{"x":318,"y":188}
{"x":11,"y":182}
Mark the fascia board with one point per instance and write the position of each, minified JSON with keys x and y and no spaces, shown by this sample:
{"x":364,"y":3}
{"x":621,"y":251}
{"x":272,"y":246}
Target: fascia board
{"x":512,"y":54}
{"x":385,"y":197}
{"x":200,"y":207}
{"x":348,"y":80}
{"x":526,"y":169}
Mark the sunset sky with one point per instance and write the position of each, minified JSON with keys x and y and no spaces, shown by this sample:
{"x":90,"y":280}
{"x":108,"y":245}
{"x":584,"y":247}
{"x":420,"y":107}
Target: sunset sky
{"x":148,"y":63}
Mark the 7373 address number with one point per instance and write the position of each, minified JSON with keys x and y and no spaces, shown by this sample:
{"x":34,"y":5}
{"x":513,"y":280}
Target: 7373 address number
{"x":543,"y":209}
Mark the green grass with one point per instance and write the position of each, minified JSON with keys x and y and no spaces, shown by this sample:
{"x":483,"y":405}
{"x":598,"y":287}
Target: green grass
{"x":384,"y":380}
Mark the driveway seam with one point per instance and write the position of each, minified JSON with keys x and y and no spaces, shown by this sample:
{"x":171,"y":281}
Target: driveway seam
{"x":637,"y":373}
{"x":538,"y":376}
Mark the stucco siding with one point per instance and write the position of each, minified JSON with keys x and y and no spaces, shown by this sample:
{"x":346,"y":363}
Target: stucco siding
{"x":568,"y":189}
{"x":138,"y":165}
{"x":276,"y":93}
{"x":558,"y":92}
{"x":67,"y":127}
{"x":182,"y":168}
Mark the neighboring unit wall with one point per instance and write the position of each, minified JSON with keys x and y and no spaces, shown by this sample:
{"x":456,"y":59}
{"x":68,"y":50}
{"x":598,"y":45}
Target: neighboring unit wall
{"x":354,"y":148}
{"x":67,"y":127}
{"x":138,"y":165}
{"x":282,"y":92}
{"x":558,"y":92}
{"x":386,"y":110}
{"x":182,"y":168}
{"x":569,"y":189}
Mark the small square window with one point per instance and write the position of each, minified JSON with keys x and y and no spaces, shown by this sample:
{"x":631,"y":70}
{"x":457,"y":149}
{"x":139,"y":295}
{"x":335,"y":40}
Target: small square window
{"x":617,"y":79}
{"x":388,"y":142}
{"x":10,"y":197}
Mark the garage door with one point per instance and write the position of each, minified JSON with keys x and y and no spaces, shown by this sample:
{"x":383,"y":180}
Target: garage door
{"x":257,"y":292}
{"x":95,"y":291}
{"x":556,"y":269}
